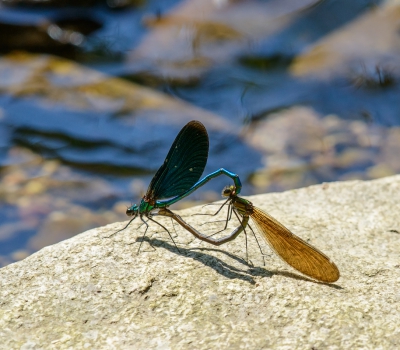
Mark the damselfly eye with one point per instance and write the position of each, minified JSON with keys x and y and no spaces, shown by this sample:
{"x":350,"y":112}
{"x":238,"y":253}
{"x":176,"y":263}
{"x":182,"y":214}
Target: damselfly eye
{"x":227,"y":191}
{"x":131,"y":211}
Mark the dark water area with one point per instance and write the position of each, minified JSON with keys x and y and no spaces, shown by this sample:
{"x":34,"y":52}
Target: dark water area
{"x":92,"y":96}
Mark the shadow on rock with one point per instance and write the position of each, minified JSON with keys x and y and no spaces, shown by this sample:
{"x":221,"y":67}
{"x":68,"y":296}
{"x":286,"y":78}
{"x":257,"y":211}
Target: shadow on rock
{"x":224,"y":268}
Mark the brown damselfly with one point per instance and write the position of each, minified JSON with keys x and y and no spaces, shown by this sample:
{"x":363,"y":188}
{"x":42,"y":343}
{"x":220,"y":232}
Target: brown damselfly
{"x":292,"y":249}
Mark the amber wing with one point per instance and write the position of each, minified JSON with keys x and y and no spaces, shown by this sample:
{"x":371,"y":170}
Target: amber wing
{"x":292,"y":249}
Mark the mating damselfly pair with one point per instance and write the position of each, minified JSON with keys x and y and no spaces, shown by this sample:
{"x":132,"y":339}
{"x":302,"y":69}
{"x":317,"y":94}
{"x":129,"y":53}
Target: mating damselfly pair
{"x":179,"y":176}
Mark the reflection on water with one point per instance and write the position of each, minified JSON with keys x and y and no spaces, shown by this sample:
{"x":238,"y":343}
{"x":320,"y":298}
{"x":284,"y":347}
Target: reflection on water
{"x":287,"y":101}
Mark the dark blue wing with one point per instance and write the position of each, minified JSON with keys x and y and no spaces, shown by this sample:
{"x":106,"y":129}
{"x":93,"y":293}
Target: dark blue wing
{"x":184,"y":163}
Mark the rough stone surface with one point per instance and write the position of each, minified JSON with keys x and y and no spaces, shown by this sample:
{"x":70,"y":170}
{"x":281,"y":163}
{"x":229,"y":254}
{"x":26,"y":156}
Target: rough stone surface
{"x":98,"y":293}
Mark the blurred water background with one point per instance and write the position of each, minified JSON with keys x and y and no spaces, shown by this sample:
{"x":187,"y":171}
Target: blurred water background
{"x":92,"y":94}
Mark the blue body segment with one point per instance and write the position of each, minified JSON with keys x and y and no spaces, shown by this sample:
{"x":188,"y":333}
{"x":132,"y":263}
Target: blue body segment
{"x":202,"y":182}
{"x":146,"y":207}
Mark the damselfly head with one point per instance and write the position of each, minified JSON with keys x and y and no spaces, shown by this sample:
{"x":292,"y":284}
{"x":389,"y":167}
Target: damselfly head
{"x":131,"y":211}
{"x":228,"y":191}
